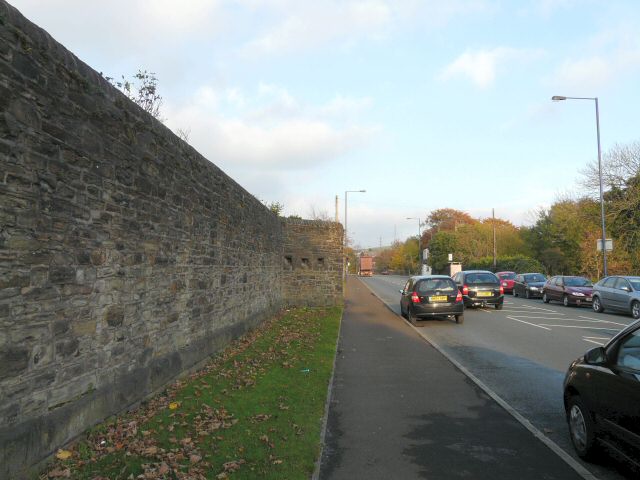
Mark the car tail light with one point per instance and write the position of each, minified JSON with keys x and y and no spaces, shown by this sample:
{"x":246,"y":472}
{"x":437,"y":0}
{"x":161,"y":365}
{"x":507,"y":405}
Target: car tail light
{"x":501,"y":290}
{"x":459,"y":297}
{"x":465,"y":290}
{"x":415,"y":298}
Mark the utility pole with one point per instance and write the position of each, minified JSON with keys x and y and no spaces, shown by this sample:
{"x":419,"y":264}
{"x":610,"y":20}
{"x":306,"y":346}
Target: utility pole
{"x":493,"y":214}
{"x":337,"y":219}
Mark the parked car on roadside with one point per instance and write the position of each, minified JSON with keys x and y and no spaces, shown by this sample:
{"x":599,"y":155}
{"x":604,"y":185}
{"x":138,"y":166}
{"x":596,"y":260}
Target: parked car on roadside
{"x":506,"y":280}
{"x":431,"y":296}
{"x":568,"y":289}
{"x":618,"y":293}
{"x":528,"y":285}
{"x":602,"y":398}
{"x":480,"y":288}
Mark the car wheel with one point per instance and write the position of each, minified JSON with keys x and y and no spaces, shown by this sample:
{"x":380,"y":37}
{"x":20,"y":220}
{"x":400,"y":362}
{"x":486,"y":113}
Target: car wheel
{"x":565,"y":301}
{"x":527,"y":294}
{"x":411,"y":317}
{"x":459,"y":319}
{"x":498,"y":306}
{"x":581,"y":429}
{"x":545,"y":299}
{"x":597,"y":306}
{"x":635,"y":310}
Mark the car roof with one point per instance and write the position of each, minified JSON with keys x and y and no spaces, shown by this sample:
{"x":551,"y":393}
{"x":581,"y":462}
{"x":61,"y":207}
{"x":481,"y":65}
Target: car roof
{"x":424,"y":277}
{"x":532,"y":273}
{"x":478,"y":271}
{"x":506,"y":271}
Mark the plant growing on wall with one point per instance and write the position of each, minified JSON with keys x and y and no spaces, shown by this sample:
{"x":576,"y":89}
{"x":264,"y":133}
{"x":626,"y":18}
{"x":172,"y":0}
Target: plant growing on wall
{"x":142,"y":89}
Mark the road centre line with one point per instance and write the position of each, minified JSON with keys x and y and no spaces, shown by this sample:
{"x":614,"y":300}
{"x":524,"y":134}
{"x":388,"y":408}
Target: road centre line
{"x":596,"y":321}
{"x":531,"y":311}
{"x":528,"y":323}
{"x":593,"y":341}
{"x":606,"y":321}
{"x":578,"y":326}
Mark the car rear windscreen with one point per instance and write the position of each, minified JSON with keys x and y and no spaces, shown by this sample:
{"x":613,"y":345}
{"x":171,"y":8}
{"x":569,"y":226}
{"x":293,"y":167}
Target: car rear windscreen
{"x":535,"y":277}
{"x":431,"y":284}
{"x":473,"y":278}
{"x":507,"y":276}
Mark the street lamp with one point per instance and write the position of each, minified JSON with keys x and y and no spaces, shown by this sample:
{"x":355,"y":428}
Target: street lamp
{"x":344,"y":270}
{"x":557,"y":98}
{"x":419,"y":238}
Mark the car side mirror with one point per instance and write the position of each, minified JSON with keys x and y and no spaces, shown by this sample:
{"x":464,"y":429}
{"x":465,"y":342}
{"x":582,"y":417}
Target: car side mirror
{"x":401,"y":291}
{"x":595,"y":356}
{"x":626,"y":289}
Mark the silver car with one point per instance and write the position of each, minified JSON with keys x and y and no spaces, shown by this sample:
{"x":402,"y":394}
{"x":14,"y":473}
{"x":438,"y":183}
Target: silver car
{"x":620,"y":294}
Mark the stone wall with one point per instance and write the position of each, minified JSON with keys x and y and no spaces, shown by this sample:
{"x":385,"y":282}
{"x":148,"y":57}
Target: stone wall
{"x":312,"y":262}
{"x":126,"y":257}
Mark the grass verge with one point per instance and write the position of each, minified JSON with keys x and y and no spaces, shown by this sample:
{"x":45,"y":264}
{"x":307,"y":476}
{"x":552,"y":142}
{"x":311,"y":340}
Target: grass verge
{"x":254,"y":412}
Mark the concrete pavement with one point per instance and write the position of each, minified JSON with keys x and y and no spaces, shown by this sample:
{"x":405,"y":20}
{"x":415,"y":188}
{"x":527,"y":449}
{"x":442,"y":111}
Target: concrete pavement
{"x":399,"y":409}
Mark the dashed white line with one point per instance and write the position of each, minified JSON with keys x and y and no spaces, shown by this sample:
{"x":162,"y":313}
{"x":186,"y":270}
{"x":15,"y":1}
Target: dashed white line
{"x":593,"y":341}
{"x":528,"y":323}
{"x":576,"y":326}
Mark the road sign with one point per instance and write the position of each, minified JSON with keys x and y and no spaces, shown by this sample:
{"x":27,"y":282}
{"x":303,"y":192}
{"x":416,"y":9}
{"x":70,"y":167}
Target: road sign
{"x":608,"y":244}
{"x":425,"y":253}
{"x":451,"y":257}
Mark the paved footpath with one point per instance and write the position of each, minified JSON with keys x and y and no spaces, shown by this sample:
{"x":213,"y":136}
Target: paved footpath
{"x":400,"y":410}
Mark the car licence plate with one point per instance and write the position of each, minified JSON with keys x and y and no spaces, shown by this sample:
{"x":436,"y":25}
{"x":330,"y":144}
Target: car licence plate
{"x":438,"y":298}
{"x":485,"y":294}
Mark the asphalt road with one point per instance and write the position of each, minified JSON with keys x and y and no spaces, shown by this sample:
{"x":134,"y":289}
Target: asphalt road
{"x":521,"y":353}
{"x":400,"y":410}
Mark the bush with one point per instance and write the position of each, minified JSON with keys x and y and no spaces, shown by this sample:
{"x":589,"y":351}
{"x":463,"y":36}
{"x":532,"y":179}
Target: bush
{"x":515,"y":263}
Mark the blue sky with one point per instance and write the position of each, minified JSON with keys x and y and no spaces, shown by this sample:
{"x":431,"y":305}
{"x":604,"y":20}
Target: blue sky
{"x":425,"y":104}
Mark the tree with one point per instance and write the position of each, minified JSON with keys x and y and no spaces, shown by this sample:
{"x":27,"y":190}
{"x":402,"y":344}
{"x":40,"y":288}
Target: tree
{"x":619,"y":164}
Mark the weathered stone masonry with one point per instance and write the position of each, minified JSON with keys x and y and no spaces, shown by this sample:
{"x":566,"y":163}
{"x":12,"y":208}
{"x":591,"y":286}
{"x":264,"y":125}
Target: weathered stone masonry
{"x":125,"y":256}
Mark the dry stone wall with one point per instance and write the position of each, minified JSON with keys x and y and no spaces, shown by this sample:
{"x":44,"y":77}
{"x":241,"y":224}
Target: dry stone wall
{"x":126,"y":257}
{"x":312,"y":262}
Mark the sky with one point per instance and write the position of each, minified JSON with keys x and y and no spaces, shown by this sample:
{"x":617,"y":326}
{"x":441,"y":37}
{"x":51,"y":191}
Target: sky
{"x":425,"y":104}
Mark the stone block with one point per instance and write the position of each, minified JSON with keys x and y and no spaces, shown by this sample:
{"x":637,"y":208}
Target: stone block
{"x":14,"y":361}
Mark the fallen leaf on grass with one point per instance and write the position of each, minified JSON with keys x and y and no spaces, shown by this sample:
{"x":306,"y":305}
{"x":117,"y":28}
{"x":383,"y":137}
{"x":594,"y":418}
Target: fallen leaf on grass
{"x":195,"y":458}
{"x":233,"y":466}
{"x":57,"y":473}
{"x":173,"y":405}
{"x":63,"y":454}
{"x":149,"y":451}
{"x":164,"y":468}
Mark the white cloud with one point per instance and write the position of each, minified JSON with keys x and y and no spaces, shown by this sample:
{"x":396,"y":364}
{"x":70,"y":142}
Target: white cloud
{"x":306,"y":25}
{"x":610,"y":55}
{"x":299,"y":136}
{"x":481,"y":66}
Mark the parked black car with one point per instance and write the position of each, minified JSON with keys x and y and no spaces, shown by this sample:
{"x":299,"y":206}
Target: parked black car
{"x":602,"y":398}
{"x":431,"y":296}
{"x":568,"y":290}
{"x":480,"y":288}
{"x":618,"y":293}
{"x":529,"y":285}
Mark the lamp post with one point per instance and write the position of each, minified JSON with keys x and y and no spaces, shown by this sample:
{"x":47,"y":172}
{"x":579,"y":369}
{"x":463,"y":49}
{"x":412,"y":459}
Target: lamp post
{"x":419,"y":238}
{"x":557,"y":98}
{"x":344,"y":270}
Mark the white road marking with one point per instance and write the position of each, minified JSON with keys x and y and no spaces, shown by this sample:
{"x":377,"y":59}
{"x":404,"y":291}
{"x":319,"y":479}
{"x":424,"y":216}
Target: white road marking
{"x":593,"y":341}
{"x":576,"y":326}
{"x":528,"y":323}
{"x":595,"y":321}
{"x":598,"y":338}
